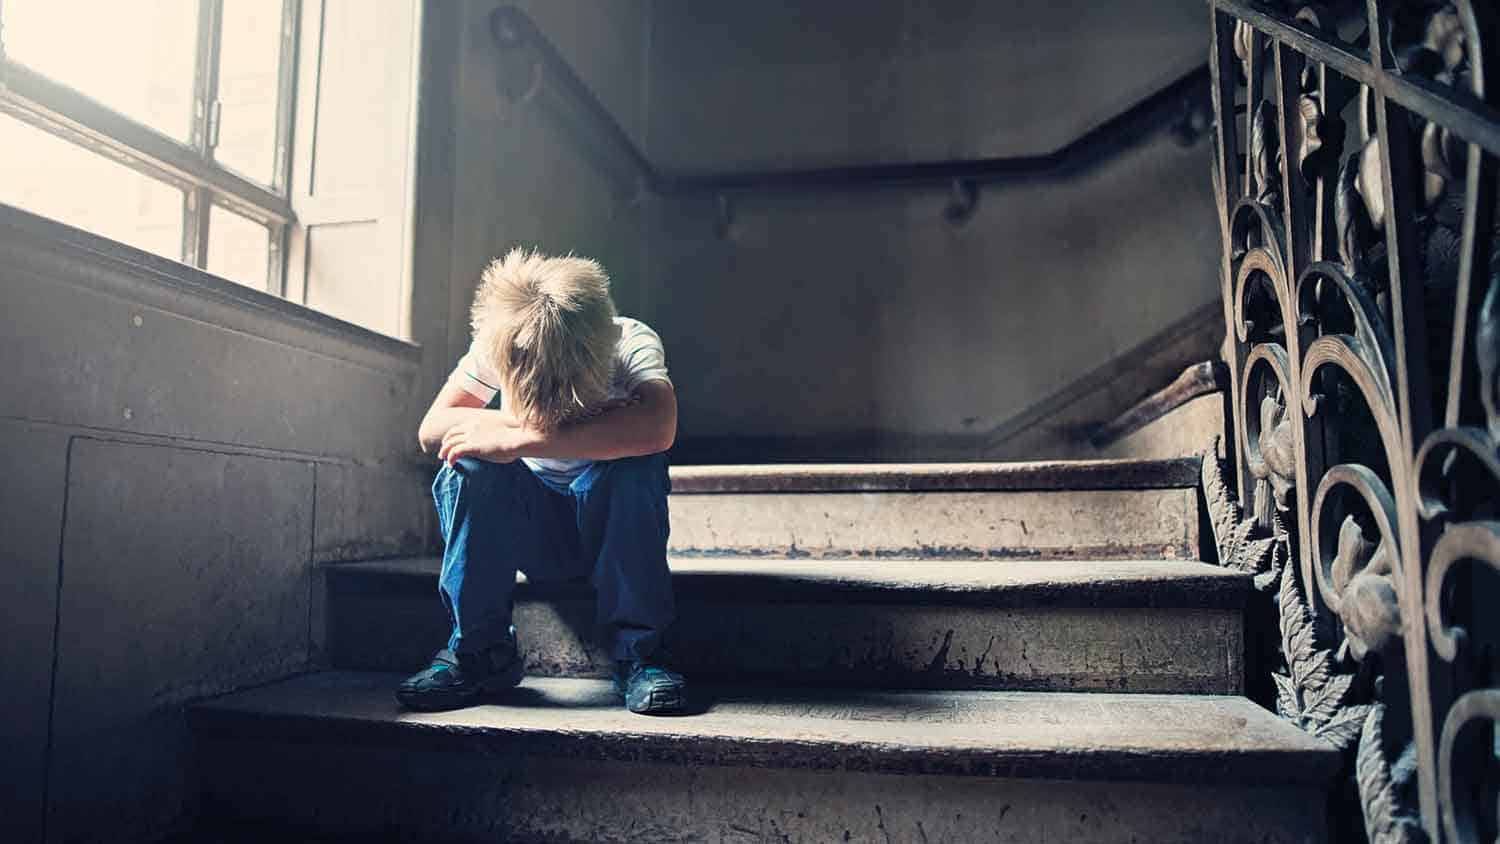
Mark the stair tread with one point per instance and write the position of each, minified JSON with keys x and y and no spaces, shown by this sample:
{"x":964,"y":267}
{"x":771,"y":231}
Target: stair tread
{"x":1059,"y":475}
{"x":1179,"y":738}
{"x":1135,"y":583}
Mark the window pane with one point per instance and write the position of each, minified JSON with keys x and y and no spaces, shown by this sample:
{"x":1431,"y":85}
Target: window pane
{"x":135,"y":56}
{"x":239,"y":248}
{"x":47,"y":175}
{"x":249,"y":66}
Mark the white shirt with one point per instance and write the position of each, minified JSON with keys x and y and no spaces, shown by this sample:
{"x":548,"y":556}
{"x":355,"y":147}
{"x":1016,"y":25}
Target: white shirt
{"x":639,"y":358}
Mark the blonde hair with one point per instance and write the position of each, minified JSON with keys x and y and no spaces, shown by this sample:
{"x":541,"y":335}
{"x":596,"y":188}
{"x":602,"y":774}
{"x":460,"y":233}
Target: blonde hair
{"x":547,"y":325}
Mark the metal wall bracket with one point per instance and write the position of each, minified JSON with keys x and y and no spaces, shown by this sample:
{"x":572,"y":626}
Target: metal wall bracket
{"x":724,"y":214}
{"x":963,"y":198}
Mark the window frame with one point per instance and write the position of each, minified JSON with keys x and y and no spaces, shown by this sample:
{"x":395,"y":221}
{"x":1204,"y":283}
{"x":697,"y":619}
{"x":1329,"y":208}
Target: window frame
{"x":74,"y":116}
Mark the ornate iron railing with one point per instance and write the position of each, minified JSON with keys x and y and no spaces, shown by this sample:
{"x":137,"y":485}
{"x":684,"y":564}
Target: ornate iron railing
{"x":1356,"y":175}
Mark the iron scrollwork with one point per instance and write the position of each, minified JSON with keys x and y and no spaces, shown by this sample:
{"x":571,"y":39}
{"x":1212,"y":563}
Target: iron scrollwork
{"x":1357,"y":148}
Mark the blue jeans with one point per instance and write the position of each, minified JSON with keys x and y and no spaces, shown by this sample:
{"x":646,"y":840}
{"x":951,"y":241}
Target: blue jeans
{"x":609,"y":525}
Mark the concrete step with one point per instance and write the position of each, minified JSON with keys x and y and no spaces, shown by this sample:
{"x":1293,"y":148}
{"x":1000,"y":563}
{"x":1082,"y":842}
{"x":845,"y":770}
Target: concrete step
{"x":1142,"y":626}
{"x":1085,"y":509}
{"x":560,"y":760}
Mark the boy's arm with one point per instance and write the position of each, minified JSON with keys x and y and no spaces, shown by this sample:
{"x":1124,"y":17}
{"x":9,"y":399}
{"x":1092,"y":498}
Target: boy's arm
{"x":453,"y":405}
{"x":646,"y":426}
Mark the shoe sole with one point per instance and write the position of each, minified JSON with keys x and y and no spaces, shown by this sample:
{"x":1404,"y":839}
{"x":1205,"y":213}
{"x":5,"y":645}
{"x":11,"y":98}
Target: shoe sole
{"x":441,"y":702}
{"x":660,"y":701}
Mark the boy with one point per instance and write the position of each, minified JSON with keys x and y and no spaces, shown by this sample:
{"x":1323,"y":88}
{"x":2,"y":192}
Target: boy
{"x":551,"y":432}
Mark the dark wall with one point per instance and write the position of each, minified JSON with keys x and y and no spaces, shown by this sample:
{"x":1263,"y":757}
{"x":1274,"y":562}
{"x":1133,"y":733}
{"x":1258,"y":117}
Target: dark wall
{"x":179,"y":454}
{"x":520,"y":178}
{"x":869,"y":315}
{"x":802,"y":83}
{"x":864,"y":319}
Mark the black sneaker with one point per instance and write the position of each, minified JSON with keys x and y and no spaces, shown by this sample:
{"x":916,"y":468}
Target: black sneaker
{"x":650,"y":689}
{"x":453,"y":683}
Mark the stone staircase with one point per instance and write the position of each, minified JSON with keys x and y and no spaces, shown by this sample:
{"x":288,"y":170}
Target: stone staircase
{"x":935,"y":653}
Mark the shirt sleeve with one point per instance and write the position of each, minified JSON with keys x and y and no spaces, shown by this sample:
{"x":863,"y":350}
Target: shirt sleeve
{"x":642,"y":358}
{"x":474,"y":377}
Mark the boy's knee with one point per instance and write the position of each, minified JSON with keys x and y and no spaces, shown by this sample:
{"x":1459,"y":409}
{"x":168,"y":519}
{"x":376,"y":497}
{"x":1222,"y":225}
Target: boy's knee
{"x":472,"y":469}
{"x":645,"y":472}
{"x":649,"y":468}
{"x":478,"y":474}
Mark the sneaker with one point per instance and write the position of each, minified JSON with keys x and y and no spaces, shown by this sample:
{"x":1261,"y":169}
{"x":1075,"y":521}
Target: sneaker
{"x":453,"y":683}
{"x":650,"y":689}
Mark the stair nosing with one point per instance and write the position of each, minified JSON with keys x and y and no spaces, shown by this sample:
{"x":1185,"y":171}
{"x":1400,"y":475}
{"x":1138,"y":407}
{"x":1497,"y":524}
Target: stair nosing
{"x":1062,"y":584}
{"x":1033,"y":476}
{"x":358,"y":709}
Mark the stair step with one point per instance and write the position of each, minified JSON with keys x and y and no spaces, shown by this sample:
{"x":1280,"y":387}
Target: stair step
{"x":563,"y":761}
{"x":1088,"y":509}
{"x":1029,"y":476}
{"x":1144,"y":626}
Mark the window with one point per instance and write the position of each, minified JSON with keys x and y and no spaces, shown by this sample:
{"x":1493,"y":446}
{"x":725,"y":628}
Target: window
{"x":88,"y":190}
{"x":168,"y":125}
{"x":145,"y":120}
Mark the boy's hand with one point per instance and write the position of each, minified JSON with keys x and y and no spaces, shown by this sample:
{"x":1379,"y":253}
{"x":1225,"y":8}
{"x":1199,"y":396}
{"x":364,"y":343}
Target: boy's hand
{"x":492,"y":437}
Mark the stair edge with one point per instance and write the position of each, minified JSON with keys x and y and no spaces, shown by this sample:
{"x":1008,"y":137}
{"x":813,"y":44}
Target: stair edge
{"x":1174,"y":584}
{"x":1301,"y":761}
{"x":1034,"y":476}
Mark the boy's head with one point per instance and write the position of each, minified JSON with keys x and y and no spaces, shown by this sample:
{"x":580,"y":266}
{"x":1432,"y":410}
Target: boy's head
{"x":547,"y":326}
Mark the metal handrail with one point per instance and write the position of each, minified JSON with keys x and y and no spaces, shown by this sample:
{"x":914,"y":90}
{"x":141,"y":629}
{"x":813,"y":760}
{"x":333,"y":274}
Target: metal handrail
{"x":511,"y":29}
{"x":1200,"y":379}
{"x":1179,"y":102}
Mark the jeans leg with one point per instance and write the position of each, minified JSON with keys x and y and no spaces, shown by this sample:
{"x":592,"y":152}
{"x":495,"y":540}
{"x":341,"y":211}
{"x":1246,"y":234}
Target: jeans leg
{"x":622,"y":529}
{"x":487,"y":513}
